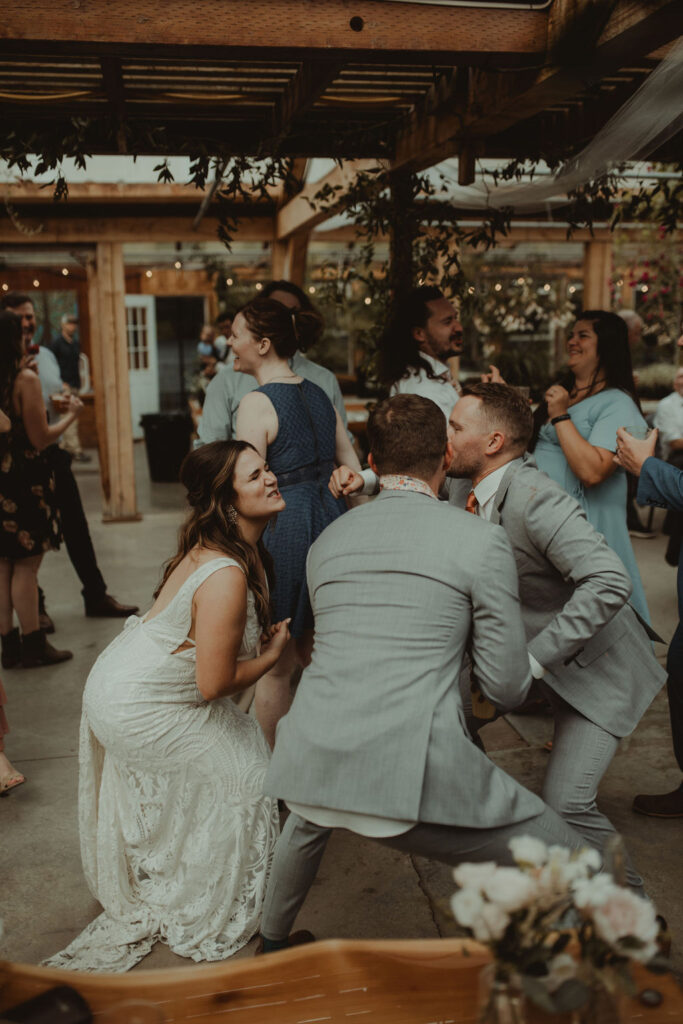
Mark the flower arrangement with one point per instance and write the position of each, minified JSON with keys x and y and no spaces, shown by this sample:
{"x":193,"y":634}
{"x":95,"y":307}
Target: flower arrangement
{"x":559,"y":931}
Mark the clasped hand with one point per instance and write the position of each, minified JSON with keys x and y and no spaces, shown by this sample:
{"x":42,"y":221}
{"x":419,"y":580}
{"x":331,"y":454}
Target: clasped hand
{"x":631,"y":453}
{"x":345,"y":481}
{"x":557,"y":400}
{"x":274,"y":640}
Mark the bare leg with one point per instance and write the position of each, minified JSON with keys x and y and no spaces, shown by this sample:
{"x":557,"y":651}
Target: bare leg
{"x":6,"y":616}
{"x":273,"y":692}
{"x":24,"y":591}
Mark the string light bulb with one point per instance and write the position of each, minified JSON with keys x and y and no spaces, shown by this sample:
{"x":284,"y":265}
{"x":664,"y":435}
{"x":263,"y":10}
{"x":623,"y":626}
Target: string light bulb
{"x":572,"y":289}
{"x":311,"y":290}
{"x":228,"y":281}
{"x":65,"y":272}
{"x":5,"y":287}
{"x":497,"y":287}
{"x":178,"y":265}
{"x":367,"y":300}
{"x":258,"y":286}
{"x":546,"y":287}
{"x":148,"y":273}
{"x":36,"y":282}
{"x":644,"y":288}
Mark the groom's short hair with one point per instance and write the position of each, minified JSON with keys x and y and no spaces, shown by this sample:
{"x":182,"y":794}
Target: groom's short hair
{"x":407,"y":435}
{"x":505,"y":410}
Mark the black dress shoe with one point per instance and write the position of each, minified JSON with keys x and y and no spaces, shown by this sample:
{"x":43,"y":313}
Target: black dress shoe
{"x":107,"y":607}
{"x":299,"y":938}
{"x":660,"y":805}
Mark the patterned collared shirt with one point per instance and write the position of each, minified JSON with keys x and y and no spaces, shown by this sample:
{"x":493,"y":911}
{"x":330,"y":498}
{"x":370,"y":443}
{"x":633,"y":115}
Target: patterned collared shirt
{"x":400,"y":482}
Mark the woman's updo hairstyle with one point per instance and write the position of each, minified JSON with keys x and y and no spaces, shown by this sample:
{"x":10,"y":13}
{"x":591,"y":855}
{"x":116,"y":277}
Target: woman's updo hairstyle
{"x":288,"y":329}
{"x":208,"y":474}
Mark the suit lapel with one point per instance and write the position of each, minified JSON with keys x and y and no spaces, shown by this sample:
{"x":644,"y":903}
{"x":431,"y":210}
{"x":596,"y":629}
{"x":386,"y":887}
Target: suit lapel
{"x":502,"y":491}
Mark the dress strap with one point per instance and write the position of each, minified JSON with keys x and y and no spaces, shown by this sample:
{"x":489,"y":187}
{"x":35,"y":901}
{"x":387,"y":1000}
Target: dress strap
{"x":202,"y":574}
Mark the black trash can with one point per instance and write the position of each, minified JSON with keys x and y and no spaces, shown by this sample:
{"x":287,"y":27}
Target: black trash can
{"x":167,"y":439}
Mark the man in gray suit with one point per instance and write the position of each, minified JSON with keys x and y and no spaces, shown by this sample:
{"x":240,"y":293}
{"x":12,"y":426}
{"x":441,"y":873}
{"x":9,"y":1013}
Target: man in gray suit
{"x":587,"y":648}
{"x":376,"y":740}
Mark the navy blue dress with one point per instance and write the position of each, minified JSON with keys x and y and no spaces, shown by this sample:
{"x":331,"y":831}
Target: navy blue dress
{"x":302,"y":458}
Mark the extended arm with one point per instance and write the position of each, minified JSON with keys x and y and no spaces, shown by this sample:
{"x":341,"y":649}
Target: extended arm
{"x":589,"y":463}
{"x":220,"y":615}
{"x":343,"y":449}
{"x":500,"y":663}
{"x":660,"y":484}
{"x":558,"y":529}
{"x":33,"y":414}
{"x":257,"y":421}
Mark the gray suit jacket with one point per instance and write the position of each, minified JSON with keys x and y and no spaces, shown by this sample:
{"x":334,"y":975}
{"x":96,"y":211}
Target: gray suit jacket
{"x":574,"y":590}
{"x":377,"y":724}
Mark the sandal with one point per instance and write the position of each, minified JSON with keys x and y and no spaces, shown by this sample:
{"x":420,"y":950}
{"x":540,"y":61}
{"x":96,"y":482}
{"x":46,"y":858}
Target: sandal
{"x":11,"y":781}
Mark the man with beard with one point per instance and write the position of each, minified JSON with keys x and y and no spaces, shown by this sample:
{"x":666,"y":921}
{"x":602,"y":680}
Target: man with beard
{"x":423,"y":333}
{"x":98,"y":603}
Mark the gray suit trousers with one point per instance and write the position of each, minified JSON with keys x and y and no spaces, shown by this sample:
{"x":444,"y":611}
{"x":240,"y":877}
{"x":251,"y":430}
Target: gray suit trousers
{"x":301,"y":846}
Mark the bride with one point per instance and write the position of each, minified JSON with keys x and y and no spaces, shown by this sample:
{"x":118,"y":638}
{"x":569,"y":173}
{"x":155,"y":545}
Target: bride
{"x":176,"y":836}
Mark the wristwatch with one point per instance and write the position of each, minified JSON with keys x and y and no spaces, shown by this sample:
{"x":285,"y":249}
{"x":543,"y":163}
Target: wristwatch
{"x":558,"y":419}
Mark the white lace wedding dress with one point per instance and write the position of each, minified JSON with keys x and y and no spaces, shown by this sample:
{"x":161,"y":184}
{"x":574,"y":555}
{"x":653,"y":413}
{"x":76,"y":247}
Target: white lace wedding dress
{"x":176,"y":836}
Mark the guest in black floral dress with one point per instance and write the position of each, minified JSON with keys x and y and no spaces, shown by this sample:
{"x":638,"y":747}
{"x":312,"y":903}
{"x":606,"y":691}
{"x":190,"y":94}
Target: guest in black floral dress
{"x":29,"y":520}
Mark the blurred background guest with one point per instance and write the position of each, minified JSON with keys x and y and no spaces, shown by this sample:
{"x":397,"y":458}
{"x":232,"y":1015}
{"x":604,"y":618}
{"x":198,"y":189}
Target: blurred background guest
{"x":221,"y":342}
{"x":668,"y":419}
{"x":67,"y":351}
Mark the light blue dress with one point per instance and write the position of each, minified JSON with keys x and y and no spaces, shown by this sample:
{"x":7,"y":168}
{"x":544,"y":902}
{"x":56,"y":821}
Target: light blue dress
{"x":596,"y":418}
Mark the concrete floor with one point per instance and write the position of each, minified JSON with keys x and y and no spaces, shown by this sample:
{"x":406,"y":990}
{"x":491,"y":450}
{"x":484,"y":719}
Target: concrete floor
{"x":363,"y":890}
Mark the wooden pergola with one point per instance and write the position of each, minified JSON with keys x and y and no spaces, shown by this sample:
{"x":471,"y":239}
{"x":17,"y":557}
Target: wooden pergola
{"x":405,"y":82}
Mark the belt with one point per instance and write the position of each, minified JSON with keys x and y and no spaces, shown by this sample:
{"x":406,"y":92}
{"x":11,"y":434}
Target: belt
{"x":313,"y":473}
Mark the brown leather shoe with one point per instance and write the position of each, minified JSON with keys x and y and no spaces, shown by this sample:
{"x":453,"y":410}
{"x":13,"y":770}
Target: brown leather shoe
{"x":36,"y":651}
{"x":46,"y":623}
{"x":664,"y":805}
{"x":295,"y":939}
{"x":107,"y":607}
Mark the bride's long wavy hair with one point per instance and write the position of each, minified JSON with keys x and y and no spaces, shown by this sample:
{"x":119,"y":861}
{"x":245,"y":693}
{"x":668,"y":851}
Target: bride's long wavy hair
{"x":208,"y":475}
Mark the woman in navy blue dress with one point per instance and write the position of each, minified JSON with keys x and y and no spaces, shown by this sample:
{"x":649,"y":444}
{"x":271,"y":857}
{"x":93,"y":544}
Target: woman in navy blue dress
{"x":295,"y":427}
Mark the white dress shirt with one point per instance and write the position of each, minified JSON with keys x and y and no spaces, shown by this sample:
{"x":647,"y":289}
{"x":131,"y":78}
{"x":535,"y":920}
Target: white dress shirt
{"x":668,"y":419}
{"x":440,"y":388}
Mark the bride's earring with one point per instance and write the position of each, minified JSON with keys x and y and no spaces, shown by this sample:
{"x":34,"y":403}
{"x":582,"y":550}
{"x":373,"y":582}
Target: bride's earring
{"x":232,"y":515}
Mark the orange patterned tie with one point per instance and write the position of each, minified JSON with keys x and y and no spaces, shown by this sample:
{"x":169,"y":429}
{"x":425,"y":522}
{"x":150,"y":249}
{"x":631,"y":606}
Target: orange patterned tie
{"x":482,"y":708}
{"x":471,"y":505}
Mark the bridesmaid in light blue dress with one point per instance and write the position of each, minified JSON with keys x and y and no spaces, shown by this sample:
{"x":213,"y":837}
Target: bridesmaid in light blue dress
{"x":576,"y":429}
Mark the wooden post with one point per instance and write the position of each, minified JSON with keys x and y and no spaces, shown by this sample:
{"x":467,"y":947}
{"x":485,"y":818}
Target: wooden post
{"x":597,"y":270}
{"x":289,"y":259}
{"x":109,"y":355}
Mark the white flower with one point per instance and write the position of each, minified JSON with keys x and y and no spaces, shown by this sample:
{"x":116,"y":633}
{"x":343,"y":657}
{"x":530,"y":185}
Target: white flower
{"x":490,"y":924}
{"x":473,"y":876}
{"x":527,"y":850}
{"x":624,"y":914}
{"x":590,"y":858}
{"x":593,"y":892}
{"x":511,"y":889}
{"x":467,"y":905}
{"x":560,"y":969}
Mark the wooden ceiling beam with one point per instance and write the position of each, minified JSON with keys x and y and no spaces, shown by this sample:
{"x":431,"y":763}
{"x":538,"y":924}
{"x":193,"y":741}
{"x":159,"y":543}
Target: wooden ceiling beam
{"x":302,"y":214}
{"x":274,"y":28}
{"x":131,"y":229}
{"x":300,"y":94}
{"x":498,"y":101}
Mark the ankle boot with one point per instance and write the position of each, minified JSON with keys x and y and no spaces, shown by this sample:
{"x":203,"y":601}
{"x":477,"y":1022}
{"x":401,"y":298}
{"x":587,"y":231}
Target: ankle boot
{"x":36,"y":651}
{"x":11,"y":649}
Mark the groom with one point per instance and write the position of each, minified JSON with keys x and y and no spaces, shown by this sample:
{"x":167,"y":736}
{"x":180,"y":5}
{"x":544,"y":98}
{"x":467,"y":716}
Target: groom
{"x":375,"y":741}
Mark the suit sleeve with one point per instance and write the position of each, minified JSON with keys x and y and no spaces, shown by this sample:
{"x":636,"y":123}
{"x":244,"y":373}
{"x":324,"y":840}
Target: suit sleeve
{"x":558,"y":529}
{"x":660,"y":484}
{"x":216,"y":420}
{"x":500,"y":664}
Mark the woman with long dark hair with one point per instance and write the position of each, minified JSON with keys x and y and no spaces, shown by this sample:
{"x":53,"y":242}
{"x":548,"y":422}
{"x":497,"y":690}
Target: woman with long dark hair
{"x":176,"y":835}
{"x":29,"y":519}
{"x":576,"y":430}
{"x":293,"y":424}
